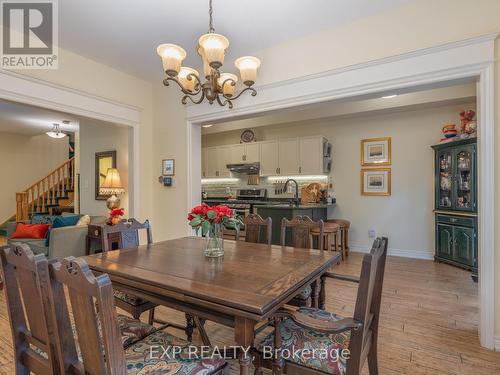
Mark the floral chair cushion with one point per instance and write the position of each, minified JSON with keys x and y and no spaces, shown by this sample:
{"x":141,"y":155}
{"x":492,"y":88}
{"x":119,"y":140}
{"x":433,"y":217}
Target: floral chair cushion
{"x":131,"y":330}
{"x":147,"y":357}
{"x":129,"y":298}
{"x":327,"y":347}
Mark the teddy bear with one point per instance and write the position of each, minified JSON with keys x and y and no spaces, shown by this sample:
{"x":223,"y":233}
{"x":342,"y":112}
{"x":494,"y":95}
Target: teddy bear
{"x":468,"y":126}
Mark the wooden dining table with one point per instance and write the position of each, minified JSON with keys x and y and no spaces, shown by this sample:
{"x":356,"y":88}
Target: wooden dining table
{"x":242,"y":288}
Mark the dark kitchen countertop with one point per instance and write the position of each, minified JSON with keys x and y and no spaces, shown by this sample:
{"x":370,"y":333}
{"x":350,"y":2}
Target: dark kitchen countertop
{"x":284,"y":206}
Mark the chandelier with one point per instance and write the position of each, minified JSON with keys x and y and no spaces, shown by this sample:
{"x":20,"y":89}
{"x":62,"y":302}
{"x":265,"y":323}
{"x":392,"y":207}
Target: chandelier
{"x":219,"y":87}
{"x":56,"y":132}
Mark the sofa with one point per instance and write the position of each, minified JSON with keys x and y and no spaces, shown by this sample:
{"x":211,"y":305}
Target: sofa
{"x":64,"y":241}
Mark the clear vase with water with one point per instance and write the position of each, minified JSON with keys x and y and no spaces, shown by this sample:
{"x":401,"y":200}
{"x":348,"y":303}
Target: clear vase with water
{"x":215,"y":241}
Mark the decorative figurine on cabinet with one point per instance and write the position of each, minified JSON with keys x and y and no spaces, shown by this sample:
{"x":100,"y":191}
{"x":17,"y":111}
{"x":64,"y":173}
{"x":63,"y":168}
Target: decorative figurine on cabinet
{"x":468,"y":126}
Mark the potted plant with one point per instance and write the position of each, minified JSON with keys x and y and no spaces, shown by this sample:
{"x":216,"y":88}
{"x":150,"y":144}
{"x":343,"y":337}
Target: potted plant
{"x":211,"y":220}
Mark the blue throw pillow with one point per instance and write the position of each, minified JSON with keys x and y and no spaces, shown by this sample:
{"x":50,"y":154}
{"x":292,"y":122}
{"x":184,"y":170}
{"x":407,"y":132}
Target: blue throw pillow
{"x":62,"y":221}
{"x":42,"y":219}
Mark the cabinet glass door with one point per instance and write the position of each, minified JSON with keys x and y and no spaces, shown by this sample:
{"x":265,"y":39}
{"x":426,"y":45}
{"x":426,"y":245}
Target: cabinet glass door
{"x":445,"y":182}
{"x":464,"y":195}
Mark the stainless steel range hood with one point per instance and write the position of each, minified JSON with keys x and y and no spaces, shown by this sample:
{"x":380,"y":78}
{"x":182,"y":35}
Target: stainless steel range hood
{"x":246,"y":168}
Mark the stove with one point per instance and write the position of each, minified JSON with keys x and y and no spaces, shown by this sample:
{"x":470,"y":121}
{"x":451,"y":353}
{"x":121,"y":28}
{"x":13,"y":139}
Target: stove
{"x":244,"y":200}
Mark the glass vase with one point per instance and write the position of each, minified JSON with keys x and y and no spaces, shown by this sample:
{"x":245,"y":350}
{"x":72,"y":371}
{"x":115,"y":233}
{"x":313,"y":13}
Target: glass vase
{"x":215,"y":242}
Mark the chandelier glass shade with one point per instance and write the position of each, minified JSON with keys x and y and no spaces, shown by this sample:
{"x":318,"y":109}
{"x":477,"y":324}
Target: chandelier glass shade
{"x":217,"y":86}
{"x":56,"y":132}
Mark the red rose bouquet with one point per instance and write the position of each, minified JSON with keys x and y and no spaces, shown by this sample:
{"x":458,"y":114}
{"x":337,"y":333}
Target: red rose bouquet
{"x":211,"y":220}
{"x":115,"y":216}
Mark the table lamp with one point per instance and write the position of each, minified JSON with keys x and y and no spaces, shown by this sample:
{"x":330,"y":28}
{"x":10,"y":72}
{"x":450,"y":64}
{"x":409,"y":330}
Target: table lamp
{"x":112,"y":186}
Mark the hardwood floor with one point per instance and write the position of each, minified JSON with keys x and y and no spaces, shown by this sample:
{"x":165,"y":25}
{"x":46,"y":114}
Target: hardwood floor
{"x":429,"y":320}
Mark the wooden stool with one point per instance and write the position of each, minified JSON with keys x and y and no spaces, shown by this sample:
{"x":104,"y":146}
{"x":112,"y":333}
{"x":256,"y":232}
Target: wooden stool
{"x":344,"y":234}
{"x":331,"y":235}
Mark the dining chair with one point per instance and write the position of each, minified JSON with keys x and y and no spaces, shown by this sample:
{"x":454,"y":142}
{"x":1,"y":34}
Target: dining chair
{"x":302,"y":228}
{"x":98,"y":335}
{"x":254,"y":225}
{"x":30,"y":304}
{"x":29,"y":308}
{"x":347,"y":341}
{"x":128,"y":230}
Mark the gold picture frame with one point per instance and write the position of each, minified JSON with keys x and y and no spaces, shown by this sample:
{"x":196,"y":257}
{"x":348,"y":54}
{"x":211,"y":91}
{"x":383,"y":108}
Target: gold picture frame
{"x":376,"y":181}
{"x":168,"y":167}
{"x":376,"y":151}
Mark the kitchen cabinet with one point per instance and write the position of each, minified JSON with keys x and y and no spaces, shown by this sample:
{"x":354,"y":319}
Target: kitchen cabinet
{"x":288,"y":157}
{"x":203,"y":162}
{"x":245,"y":153}
{"x":237,"y":154}
{"x":311,"y":155}
{"x":268,"y":158}
{"x":456,"y":204}
{"x":216,"y":159}
{"x":252,"y":152}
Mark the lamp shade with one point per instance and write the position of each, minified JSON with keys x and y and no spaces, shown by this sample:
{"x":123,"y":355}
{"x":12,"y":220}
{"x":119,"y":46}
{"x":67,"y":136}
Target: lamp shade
{"x":171,"y":57}
{"x":112,"y":183}
{"x":185,"y":82}
{"x":214,"y":47}
{"x":228,"y":88}
{"x":206,"y":66}
{"x":248,"y":66}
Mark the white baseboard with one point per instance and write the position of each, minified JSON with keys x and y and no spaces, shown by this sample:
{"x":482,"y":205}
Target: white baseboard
{"x":416,"y":254}
{"x":497,"y":343}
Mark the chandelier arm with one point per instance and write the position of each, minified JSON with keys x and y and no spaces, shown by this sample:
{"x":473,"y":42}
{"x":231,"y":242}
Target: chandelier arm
{"x":230,"y":80}
{"x":194,"y":93}
{"x":226,"y":101}
{"x":198,"y":83}
{"x":190,"y":97}
{"x":251,"y":89}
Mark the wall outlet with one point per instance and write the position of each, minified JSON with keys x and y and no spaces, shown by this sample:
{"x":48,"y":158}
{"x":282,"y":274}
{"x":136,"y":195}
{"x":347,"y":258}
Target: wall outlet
{"x":372,"y":233}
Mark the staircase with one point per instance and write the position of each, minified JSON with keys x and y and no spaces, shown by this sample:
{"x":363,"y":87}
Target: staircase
{"x":53,"y":192}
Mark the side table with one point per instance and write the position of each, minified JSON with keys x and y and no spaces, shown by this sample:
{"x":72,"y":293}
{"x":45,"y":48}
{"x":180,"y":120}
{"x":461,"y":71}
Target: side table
{"x":94,"y":234}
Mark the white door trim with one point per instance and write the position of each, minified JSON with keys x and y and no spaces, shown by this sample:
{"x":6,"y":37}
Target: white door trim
{"x":33,"y":91}
{"x":466,"y":59}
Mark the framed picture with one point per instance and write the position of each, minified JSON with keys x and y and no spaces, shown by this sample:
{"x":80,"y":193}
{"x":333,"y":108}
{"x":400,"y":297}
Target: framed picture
{"x":376,"y":181}
{"x":376,"y":151}
{"x":168,"y":167}
{"x":103,"y":161}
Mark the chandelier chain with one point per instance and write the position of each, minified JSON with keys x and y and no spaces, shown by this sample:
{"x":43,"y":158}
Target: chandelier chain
{"x":210,"y":12}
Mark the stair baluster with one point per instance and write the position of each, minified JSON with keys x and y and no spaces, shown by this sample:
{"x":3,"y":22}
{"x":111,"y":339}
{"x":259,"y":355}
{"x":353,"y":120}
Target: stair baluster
{"x":44,"y":194}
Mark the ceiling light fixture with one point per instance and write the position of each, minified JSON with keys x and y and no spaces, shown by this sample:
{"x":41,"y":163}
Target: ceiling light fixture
{"x":389,"y":96}
{"x":207,"y":126}
{"x":56,"y":132}
{"x":220,"y":87}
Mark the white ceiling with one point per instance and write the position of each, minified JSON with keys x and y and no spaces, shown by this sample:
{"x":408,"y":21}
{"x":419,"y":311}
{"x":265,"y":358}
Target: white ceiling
{"x":125,"y":33}
{"x":23,"y":119}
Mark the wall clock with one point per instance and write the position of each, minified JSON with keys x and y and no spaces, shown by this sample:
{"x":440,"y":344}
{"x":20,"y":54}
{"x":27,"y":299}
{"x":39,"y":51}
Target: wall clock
{"x":247,"y":136}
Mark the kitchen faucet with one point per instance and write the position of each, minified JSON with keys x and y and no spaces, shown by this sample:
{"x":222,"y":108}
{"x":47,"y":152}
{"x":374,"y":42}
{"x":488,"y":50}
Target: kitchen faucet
{"x":296,"y":189}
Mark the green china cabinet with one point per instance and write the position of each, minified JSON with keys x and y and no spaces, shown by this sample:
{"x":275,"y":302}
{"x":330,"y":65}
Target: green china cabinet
{"x":456,"y":203}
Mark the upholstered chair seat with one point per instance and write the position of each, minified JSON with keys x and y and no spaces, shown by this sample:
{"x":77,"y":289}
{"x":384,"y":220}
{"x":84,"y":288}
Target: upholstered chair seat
{"x":129,"y":298}
{"x":328,"y":346}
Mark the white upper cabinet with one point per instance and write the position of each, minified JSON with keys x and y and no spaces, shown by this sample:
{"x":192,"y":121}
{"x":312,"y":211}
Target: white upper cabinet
{"x":311,"y":155}
{"x":211,"y":162}
{"x":252,"y":152}
{"x":268,"y":158}
{"x":288,"y":156}
{"x":238,"y":154}
{"x":216,"y":159}
{"x":224,"y":157}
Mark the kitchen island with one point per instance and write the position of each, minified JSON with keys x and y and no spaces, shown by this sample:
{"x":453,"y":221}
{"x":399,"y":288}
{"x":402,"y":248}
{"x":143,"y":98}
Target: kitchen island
{"x":278,"y":211}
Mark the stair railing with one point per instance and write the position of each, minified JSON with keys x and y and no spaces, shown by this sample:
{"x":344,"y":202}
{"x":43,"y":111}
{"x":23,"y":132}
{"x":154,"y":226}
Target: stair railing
{"x":45,"y":191}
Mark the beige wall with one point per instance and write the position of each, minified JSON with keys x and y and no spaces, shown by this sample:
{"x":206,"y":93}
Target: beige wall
{"x":406,"y":216}
{"x":98,"y":137}
{"x":24,"y":160}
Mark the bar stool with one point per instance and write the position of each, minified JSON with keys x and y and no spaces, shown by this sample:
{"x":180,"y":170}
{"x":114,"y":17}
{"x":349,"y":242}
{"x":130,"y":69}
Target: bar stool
{"x":331,"y":235}
{"x":344,"y":234}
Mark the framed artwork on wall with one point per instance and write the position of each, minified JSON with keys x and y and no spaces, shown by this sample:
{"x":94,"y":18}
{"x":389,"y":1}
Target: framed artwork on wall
{"x":376,"y":181}
{"x":168,"y":167}
{"x":103,"y":161}
{"x":376,"y":151}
